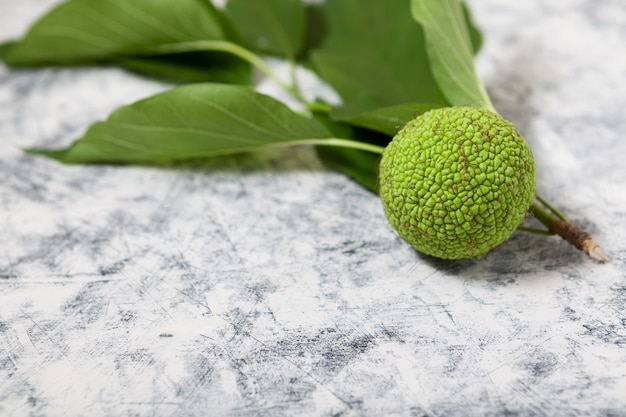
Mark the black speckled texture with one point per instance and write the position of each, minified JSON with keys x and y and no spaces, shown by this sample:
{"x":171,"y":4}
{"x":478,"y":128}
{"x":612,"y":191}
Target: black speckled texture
{"x":267,"y":285}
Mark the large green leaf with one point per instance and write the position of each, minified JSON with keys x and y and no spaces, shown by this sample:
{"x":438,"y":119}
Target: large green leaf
{"x":275,"y":27}
{"x":191,"y":67}
{"x":315,"y":31}
{"x":5,"y":47}
{"x":450,"y":49}
{"x":84,"y":31}
{"x":387,"y":120}
{"x":190,"y":122}
{"x":360,"y":165}
{"x":373,"y":54}
{"x":476,"y":36}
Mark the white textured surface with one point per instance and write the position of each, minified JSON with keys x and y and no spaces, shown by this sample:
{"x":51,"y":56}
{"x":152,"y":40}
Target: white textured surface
{"x":270,"y":286}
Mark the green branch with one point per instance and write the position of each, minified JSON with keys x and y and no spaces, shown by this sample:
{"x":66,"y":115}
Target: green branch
{"x":234,"y":49}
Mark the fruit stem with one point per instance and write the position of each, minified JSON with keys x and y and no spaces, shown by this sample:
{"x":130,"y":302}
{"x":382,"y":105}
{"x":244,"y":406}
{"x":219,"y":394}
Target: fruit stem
{"x":551,"y":208}
{"x":573,"y":234}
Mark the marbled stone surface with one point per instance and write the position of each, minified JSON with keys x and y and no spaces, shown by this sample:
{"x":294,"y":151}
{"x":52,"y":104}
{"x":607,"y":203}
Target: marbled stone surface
{"x":270,"y":285}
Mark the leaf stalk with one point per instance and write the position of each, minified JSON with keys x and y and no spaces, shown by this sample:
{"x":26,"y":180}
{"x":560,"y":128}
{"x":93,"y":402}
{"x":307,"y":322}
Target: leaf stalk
{"x":345,"y":143}
{"x":234,"y":49}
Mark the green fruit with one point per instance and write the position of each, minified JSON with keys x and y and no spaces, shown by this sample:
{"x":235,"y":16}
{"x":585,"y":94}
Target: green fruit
{"x":456,"y":182}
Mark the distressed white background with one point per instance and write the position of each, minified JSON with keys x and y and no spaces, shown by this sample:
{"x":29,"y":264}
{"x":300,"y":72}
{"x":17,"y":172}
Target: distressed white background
{"x":270,"y":286}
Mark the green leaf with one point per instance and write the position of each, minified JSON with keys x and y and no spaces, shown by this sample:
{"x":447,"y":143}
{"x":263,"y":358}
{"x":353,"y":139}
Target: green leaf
{"x":193,"y":67}
{"x":450,"y":50}
{"x":85,"y":31}
{"x":374,"y":54}
{"x":191,"y":122}
{"x":5,"y":47}
{"x":315,"y":31}
{"x":275,"y":27}
{"x":475,"y":36}
{"x":387,"y":120}
{"x":361,"y":166}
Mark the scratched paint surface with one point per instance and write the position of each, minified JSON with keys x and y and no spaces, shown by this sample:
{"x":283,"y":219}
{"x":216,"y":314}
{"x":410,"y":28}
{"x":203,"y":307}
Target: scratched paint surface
{"x":268,"y":285}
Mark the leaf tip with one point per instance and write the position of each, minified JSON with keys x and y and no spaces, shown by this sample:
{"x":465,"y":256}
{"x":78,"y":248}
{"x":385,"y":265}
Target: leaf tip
{"x":56,"y":154}
{"x":5,"y":51}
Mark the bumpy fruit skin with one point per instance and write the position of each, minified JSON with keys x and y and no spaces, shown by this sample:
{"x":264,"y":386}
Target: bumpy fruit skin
{"x":456,"y":182}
